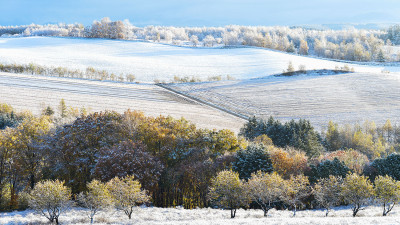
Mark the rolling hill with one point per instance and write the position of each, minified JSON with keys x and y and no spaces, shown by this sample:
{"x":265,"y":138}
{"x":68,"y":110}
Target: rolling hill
{"x":150,"y":61}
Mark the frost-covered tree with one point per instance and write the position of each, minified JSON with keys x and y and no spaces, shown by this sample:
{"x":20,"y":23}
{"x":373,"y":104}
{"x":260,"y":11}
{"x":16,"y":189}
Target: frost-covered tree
{"x":209,"y":41}
{"x":195,"y":40}
{"x":265,"y":189}
{"x":75,"y":148}
{"x":357,"y":191}
{"x":50,"y":199}
{"x":62,"y":108}
{"x":97,"y":198}
{"x":228,"y":191}
{"x":127,"y":193}
{"x":295,"y":190}
{"x":290,"y":68}
{"x":327,"y":192}
{"x":250,"y":160}
{"x":303,"y":47}
{"x":129,"y":158}
{"x":387,"y":192}
{"x":28,"y":142}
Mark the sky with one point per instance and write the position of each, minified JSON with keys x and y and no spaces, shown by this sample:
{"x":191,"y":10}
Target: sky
{"x":201,"y":12}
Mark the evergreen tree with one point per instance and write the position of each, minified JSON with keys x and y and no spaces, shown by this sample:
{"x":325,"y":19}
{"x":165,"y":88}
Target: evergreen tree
{"x":252,"y":159}
{"x":385,"y":166}
{"x":63,"y":108}
{"x":380,"y":57}
{"x":328,"y":168}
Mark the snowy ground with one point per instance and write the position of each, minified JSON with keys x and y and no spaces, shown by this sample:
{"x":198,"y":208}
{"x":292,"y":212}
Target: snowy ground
{"x":150,"y":61}
{"x":172,"y":216}
{"x":342,"y":98}
{"x":27,"y":92}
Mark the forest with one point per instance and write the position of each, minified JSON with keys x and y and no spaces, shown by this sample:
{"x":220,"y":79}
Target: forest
{"x":167,"y":162}
{"x":349,"y":44}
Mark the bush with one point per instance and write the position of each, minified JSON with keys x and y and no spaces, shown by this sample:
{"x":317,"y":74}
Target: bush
{"x":50,"y":199}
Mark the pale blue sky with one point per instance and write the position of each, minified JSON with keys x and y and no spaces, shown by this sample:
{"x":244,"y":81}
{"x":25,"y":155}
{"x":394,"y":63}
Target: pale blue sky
{"x":201,"y":12}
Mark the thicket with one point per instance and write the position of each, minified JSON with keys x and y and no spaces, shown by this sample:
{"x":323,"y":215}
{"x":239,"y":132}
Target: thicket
{"x":349,"y":44}
{"x":179,"y":164}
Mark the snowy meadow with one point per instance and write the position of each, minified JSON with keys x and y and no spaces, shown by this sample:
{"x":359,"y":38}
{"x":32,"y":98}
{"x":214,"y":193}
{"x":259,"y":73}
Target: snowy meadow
{"x":149,"y":61}
{"x":178,"y":215}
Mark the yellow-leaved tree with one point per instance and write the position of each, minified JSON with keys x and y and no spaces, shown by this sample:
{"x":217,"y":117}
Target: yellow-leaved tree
{"x":387,"y":192}
{"x":50,"y":199}
{"x":96,"y":198}
{"x":227,"y":190}
{"x":327,"y":192}
{"x":357,"y":191}
{"x":265,"y":189}
{"x":127,"y":193}
{"x":295,"y":190}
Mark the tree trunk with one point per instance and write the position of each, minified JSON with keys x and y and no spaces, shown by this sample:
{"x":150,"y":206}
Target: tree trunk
{"x":233,"y":213}
{"x":327,"y":212}
{"x":32,"y":181}
{"x":384,"y":209}
{"x":56,"y":220}
{"x":355,"y":210}
{"x":91,"y":219}
{"x":294,"y":212}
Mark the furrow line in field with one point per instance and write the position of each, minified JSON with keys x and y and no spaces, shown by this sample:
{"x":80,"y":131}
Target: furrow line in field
{"x":204,"y":102}
{"x":96,"y":93}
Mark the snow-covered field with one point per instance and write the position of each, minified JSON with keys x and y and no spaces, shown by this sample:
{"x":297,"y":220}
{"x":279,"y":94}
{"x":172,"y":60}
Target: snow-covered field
{"x":342,"y":98}
{"x":172,"y":216}
{"x":27,"y":92}
{"x":150,"y":61}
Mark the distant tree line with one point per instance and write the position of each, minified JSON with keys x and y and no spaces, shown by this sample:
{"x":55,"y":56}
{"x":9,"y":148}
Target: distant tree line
{"x":349,"y":44}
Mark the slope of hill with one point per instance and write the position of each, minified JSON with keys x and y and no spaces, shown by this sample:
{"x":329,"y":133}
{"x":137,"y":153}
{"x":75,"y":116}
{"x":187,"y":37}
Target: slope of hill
{"x":342,"y":98}
{"x":33,"y":93}
{"x":150,"y":61}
